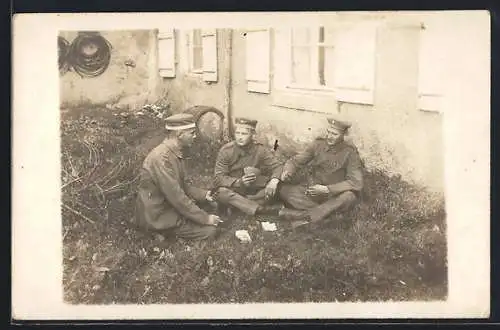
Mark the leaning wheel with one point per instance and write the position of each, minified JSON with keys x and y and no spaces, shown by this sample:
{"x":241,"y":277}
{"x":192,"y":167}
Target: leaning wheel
{"x":210,"y":122}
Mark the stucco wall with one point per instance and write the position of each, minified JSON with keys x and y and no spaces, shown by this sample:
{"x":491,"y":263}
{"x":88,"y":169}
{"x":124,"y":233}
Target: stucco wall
{"x":122,"y":84}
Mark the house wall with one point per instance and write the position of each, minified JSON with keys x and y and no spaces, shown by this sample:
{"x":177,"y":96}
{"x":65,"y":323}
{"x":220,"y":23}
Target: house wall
{"x":392,"y":135}
{"x":119,"y":84}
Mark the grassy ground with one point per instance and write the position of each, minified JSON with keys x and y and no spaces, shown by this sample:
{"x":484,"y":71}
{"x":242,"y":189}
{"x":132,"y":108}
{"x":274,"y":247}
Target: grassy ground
{"x":392,"y":247}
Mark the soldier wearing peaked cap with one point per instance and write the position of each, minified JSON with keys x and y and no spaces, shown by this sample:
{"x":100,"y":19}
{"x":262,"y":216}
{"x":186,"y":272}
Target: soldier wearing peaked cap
{"x":164,"y":201}
{"x":337,"y":177}
{"x":246,"y":172}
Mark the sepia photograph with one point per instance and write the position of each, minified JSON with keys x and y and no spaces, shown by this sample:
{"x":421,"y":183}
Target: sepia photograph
{"x":301,"y":161}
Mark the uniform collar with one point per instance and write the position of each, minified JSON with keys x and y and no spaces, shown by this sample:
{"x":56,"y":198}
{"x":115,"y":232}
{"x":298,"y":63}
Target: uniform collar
{"x":174,"y":146}
{"x":246,"y":149}
{"x":335,"y":147}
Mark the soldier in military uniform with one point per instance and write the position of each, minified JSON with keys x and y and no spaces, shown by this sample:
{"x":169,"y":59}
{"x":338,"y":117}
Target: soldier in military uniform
{"x":164,"y":201}
{"x":337,"y":177}
{"x":247,"y":173}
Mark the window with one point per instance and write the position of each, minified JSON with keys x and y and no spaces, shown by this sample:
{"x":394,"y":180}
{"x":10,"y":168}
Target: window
{"x":195,"y":52}
{"x":316,"y":67}
{"x":166,"y":53}
{"x":202,"y":47}
{"x":312,"y":56}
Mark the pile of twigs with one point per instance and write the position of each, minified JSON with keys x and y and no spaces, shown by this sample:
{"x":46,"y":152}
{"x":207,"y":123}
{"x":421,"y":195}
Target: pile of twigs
{"x":90,"y":179}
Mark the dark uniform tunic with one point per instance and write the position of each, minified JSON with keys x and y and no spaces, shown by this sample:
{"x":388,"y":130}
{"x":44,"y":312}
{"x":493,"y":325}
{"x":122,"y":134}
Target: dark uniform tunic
{"x":338,"y":167}
{"x":164,"y":201}
{"x":231,"y":161}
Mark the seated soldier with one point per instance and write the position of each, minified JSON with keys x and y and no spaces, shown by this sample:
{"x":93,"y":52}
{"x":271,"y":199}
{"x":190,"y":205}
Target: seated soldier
{"x":165,"y":203}
{"x":337,"y":176}
{"x":246,"y":172}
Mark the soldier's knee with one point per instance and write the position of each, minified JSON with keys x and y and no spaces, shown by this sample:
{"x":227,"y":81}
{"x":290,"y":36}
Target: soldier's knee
{"x":285,"y":189}
{"x":207,"y":232}
{"x":348,"y":198}
{"x":224,"y":194}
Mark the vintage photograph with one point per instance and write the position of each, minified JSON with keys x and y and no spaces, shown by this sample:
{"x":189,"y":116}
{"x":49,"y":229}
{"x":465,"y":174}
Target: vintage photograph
{"x":299,"y":165}
{"x":295,"y":164}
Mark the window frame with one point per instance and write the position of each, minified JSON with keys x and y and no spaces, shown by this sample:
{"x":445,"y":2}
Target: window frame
{"x":313,"y":47}
{"x":191,"y":51}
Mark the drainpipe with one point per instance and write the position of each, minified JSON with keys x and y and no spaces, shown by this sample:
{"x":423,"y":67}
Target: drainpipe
{"x":228,"y":80}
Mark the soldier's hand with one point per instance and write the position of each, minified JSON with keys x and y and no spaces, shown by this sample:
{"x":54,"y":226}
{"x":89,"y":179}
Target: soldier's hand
{"x":211,"y":196}
{"x":317,"y":189}
{"x":285,"y":175}
{"x":271,"y":188}
{"x":214,"y":220}
{"x":248,"y":179}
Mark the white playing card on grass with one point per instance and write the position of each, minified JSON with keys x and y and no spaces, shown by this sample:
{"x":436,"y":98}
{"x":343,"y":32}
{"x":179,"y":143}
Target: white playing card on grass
{"x":243,"y":236}
{"x":268,"y":226}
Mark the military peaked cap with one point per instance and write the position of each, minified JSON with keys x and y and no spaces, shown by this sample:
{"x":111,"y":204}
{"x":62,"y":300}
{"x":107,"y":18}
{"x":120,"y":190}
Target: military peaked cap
{"x":180,"y":121}
{"x":338,"y":124}
{"x":245,"y":121}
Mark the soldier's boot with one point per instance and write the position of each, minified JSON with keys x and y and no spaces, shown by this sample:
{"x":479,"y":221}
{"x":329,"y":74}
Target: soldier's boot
{"x":290,"y":214}
{"x":269,"y":209}
{"x":297,"y":218}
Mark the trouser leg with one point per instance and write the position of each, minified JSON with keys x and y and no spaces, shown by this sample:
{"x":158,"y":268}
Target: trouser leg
{"x":228,"y":197}
{"x":171,"y":222}
{"x":259,"y":197}
{"x":340,"y":203}
{"x":193,"y":231}
{"x":296,"y":197}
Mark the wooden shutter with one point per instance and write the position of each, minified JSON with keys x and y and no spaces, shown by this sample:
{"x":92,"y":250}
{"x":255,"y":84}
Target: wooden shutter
{"x":209,"y":44}
{"x":354,"y":76}
{"x":258,"y":56}
{"x":166,"y":53}
{"x":432,"y":61}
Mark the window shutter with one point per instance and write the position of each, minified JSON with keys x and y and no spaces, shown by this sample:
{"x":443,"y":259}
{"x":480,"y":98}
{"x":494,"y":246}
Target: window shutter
{"x":258,"y":56}
{"x":166,"y":53}
{"x":354,"y":76}
{"x":209,"y":44}
{"x":432,"y":61}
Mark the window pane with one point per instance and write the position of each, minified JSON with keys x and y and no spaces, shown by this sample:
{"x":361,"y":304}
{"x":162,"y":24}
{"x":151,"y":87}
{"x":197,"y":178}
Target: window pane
{"x":329,"y":36}
{"x":321,"y":65}
{"x":197,"y":58}
{"x":321,"y":34}
{"x":301,"y":59}
{"x":197,"y":38}
{"x":300,"y":36}
{"x":329,"y":66}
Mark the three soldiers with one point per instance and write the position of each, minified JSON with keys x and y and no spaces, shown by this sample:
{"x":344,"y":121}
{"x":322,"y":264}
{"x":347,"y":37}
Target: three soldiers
{"x":248,"y":177}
